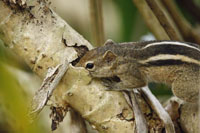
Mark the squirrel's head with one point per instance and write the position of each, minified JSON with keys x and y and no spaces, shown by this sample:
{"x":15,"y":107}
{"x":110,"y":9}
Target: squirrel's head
{"x":100,"y":62}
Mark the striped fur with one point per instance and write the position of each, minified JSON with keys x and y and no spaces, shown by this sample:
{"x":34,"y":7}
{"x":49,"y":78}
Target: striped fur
{"x":187,"y":45}
{"x":157,"y":52}
{"x":168,"y":58}
{"x":172,"y":53}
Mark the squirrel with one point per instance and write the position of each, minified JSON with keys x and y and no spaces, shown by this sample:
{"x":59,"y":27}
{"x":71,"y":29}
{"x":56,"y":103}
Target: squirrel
{"x":134,"y":64}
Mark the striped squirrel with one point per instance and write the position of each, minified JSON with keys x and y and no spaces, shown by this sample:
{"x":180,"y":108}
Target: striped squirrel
{"x":134,"y":64}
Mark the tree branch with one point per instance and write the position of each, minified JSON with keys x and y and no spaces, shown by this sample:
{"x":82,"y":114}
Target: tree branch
{"x":44,"y":40}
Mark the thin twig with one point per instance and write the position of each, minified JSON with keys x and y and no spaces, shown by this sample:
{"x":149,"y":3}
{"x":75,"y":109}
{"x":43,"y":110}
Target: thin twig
{"x":188,"y":33}
{"x":198,"y":130}
{"x":163,"y":115}
{"x":97,"y":22}
{"x":139,"y":116}
{"x":141,"y":124}
{"x":151,"y":20}
{"x":163,"y":20}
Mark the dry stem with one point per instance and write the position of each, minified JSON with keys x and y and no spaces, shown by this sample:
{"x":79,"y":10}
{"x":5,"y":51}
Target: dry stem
{"x":151,"y":20}
{"x":163,"y":20}
{"x":97,"y":22}
{"x":188,"y":33}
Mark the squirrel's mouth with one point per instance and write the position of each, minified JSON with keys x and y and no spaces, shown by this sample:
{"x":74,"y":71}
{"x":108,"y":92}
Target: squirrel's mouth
{"x":114,"y":79}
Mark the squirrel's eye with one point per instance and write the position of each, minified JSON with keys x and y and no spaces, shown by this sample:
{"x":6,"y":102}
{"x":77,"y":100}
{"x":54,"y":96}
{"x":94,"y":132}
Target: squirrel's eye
{"x":89,"y":65}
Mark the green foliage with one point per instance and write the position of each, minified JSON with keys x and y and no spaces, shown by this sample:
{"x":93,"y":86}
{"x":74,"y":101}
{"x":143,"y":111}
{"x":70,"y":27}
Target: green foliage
{"x":132,"y":25}
{"x":2,"y":51}
{"x":197,"y":2}
{"x":160,"y":89}
{"x":13,"y":105}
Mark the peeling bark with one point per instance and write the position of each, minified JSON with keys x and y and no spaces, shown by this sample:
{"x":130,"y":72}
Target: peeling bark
{"x":49,"y":84}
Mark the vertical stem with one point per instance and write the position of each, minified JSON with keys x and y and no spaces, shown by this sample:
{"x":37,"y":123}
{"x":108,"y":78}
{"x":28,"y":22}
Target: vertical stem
{"x":97,"y":22}
{"x":158,"y":108}
{"x":140,"y":121}
{"x":198,"y":130}
{"x":191,"y":8}
{"x":188,"y":33}
{"x":139,"y":116}
{"x":151,"y":20}
{"x":163,"y":20}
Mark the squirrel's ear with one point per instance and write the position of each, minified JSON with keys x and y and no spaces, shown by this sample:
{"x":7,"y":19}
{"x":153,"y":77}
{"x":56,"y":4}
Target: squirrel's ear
{"x":109,"y":56}
{"x":108,"y":42}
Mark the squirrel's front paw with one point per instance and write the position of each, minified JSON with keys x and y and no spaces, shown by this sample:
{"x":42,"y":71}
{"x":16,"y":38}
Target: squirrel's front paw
{"x":108,"y":83}
{"x":112,"y":84}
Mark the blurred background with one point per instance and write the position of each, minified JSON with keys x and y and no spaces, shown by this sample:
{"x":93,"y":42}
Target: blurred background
{"x":122,"y":23}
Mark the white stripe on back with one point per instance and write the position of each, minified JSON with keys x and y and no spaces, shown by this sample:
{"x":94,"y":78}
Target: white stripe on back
{"x":170,"y":43}
{"x":169,"y":57}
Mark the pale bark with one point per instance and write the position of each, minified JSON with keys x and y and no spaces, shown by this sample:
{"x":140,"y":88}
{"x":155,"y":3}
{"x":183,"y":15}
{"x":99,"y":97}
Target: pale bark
{"x":42,"y":39}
